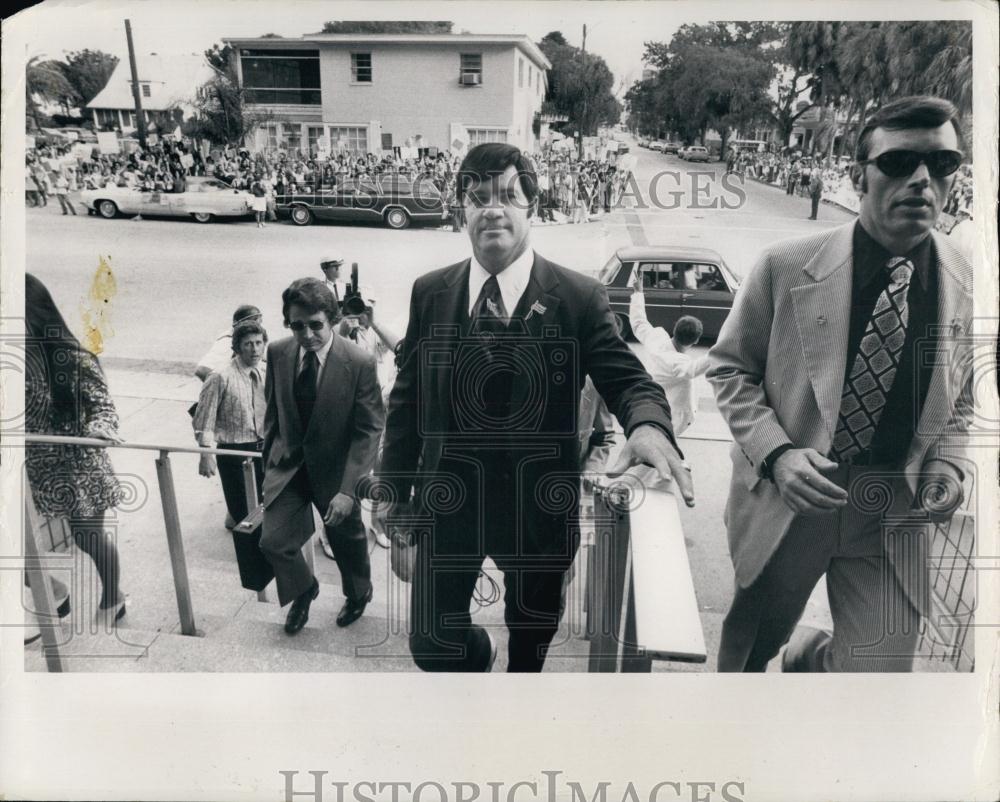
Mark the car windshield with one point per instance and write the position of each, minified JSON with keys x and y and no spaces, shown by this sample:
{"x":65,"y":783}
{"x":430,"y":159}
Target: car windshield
{"x":609,"y":270}
{"x":209,"y":186}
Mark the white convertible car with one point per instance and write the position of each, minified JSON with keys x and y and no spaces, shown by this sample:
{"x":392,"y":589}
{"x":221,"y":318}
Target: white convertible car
{"x":205,"y":199}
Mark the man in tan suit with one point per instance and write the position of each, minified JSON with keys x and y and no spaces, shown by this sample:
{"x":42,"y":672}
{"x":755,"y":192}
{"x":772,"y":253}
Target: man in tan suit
{"x":322,"y":425}
{"x":840,"y":374}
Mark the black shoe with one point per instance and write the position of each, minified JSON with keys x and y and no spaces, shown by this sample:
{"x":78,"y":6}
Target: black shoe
{"x":299,"y":613}
{"x":353,"y":610}
{"x":64,"y":609}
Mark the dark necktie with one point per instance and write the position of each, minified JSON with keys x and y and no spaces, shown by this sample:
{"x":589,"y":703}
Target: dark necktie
{"x":874,"y":370}
{"x":305,"y":387}
{"x":257,"y":403}
{"x":489,"y":313}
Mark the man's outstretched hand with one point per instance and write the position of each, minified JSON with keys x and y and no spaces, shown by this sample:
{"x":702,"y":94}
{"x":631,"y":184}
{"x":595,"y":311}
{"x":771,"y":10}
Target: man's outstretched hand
{"x":648,"y":445}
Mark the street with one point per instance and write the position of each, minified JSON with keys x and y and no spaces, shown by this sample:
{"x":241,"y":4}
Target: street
{"x":177,"y":282}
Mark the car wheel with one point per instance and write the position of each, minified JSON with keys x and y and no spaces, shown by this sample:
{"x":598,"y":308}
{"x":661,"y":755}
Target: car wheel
{"x":301,"y":216}
{"x":397,"y":218}
{"x":203,"y":217}
{"x":626,"y":328}
{"x":107,"y":209}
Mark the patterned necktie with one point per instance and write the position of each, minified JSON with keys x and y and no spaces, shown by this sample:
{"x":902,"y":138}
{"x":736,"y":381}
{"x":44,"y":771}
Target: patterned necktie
{"x":305,"y":387}
{"x":874,"y":369}
{"x":490,"y":313}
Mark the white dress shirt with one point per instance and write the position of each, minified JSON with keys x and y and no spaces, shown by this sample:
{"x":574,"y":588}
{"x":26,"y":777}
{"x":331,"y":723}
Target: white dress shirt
{"x":321,"y":355}
{"x":513,"y":280}
{"x":671,"y":369}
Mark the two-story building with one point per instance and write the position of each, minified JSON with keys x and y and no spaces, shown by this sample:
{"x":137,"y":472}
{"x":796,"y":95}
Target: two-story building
{"x":167,"y":85}
{"x":370,"y":92}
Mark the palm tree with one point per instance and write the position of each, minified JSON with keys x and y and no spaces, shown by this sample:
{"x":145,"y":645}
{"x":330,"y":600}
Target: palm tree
{"x":932,"y":58}
{"x":44,"y":80}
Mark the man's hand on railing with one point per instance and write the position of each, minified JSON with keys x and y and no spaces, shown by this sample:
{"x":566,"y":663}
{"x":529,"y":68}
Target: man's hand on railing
{"x":206,"y":465}
{"x":648,"y":445}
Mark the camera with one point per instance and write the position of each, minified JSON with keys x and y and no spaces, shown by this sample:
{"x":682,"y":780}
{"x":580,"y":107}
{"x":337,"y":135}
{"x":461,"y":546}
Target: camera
{"x":352,"y":302}
{"x":518,"y":383}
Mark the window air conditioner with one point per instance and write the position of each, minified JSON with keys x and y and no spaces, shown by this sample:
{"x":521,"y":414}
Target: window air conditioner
{"x":471,"y":79}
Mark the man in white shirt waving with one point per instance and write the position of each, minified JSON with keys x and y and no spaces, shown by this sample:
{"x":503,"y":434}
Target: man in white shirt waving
{"x":670,"y":365}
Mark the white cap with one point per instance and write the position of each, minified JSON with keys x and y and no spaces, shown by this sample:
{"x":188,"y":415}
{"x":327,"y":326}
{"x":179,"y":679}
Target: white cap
{"x":336,"y":258}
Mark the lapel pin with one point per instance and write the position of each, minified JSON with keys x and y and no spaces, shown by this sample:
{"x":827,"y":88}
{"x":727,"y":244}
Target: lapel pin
{"x":821,"y":320}
{"x":536,"y":308}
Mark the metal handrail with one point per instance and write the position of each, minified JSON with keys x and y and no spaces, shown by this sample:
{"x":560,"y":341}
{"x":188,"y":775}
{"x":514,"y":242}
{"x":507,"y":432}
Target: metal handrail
{"x":171,"y":518}
{"x":98,"y":442}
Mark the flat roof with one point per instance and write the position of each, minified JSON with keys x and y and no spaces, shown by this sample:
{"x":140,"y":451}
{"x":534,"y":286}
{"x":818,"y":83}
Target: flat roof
{"x":518,"y":40}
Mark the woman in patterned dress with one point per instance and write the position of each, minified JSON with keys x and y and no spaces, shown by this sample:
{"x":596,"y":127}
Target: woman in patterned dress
{"x":65,"y":394}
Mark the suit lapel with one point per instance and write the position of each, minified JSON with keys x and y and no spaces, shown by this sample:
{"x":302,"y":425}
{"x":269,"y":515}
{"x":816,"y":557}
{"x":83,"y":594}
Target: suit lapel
{"x":536,"y":311}
{"x":291,"y":366}
{"x":823,"y":318}
{"x":446,"y":312}
{"x":954,"y":322}
{"x":333,"y":382}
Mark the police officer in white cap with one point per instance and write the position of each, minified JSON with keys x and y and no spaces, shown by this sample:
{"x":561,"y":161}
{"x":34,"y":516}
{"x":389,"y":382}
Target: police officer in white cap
{"x":330,"y":265}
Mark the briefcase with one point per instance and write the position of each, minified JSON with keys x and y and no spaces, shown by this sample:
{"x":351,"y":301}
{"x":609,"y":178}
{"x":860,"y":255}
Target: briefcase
{"x":255,"y":570}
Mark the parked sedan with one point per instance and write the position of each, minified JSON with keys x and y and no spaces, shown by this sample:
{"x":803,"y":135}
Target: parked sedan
{"x":671,"y":147}
{"x":676,"y":281}
{"x":696,"y":153}
{"x":204,"y":199}
{"x":392,"y":200}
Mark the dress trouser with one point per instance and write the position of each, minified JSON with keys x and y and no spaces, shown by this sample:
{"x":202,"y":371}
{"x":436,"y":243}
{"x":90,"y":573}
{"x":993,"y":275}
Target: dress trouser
{"x":449,"y":557}
{"x":875,"y":614}
{"x":231,"y":476}
{"x":288,"y":525}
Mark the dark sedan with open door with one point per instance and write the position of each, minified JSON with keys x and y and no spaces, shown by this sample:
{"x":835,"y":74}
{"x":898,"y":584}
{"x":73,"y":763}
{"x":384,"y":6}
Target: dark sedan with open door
{"x":391,"y":200}
{"x":676,"y":281}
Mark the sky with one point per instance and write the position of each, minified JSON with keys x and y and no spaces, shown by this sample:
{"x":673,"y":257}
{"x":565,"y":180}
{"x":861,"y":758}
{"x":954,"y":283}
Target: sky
{"x":615,"y":31}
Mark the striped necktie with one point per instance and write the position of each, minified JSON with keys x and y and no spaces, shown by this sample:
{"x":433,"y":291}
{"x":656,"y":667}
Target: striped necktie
{"x":874,"y":369}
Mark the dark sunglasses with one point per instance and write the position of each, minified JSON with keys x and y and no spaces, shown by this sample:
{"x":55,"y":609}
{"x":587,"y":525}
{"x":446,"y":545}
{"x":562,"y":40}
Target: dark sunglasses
{"x":299,"y":325}
{"x":903,"y":163}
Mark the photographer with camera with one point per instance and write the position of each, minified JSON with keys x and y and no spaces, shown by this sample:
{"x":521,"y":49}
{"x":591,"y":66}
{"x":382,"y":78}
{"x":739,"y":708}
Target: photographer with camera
{"x":482,"y":419}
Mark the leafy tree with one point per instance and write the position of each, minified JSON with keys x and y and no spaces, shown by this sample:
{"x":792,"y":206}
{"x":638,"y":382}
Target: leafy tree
{"x":88,"y":72}
{"x":223,"y":113}
{"x":388,"y":26}
{"x":580,"y":86}
{"x":46,"y":81}
{"x":709,"y":76}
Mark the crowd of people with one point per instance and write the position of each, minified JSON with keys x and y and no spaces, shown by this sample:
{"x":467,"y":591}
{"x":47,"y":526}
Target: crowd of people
{"x":801,"y":175}
{"x":573,"y":189}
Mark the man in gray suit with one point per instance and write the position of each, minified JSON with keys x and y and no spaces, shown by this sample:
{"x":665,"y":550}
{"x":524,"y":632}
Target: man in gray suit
{"x":322,"y":425}
{"x":840,"y":375}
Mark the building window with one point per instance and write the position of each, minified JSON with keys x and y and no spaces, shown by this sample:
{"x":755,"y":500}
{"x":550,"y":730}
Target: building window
{"x":361,"y":68}
{"x":477,"y":136}
{"x":145,"y":90}
{"x":314,"y":133}
{"x":470,"y":69}
{"x":281,"y":77}
{"x":520,"y":73}
{"x":284,"y":136}
{"x":350,"y":138}
{"x":107,"y":119}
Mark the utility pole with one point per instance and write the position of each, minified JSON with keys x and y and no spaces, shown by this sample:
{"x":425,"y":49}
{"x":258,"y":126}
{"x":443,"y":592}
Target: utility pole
{"x":583,"y":50}
{"x":140,"y":120}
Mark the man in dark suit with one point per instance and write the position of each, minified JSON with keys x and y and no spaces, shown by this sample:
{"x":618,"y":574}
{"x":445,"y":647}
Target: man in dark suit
{"x":321,"y":430}
{"x":486,"y":403}
{"x":843,"y":375}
